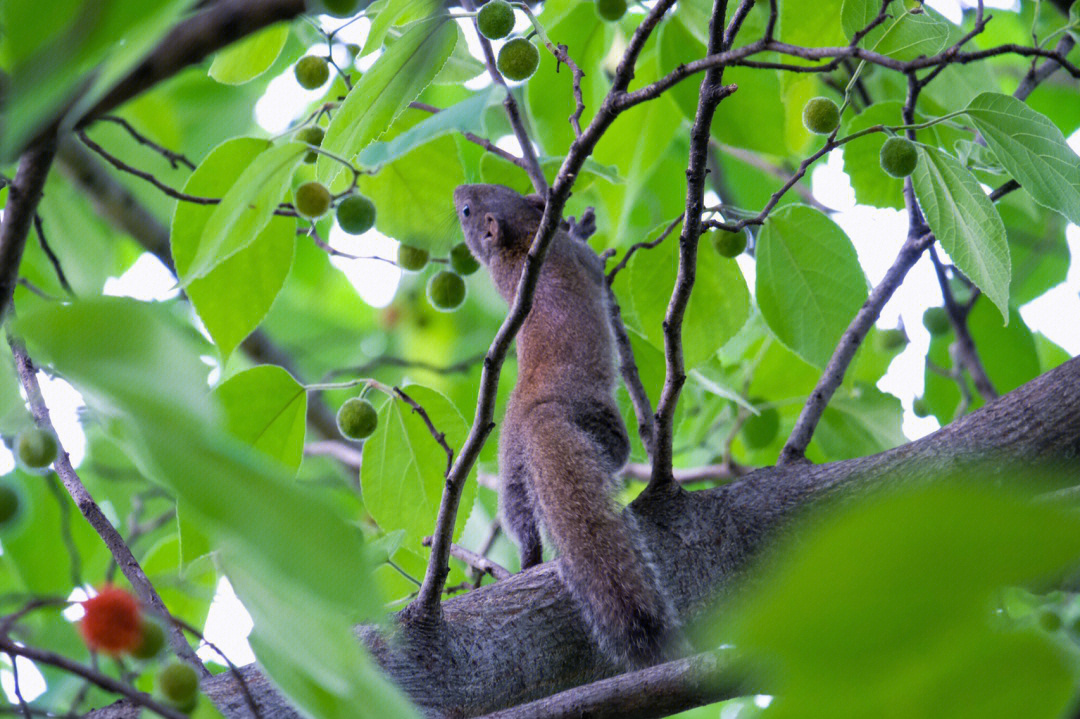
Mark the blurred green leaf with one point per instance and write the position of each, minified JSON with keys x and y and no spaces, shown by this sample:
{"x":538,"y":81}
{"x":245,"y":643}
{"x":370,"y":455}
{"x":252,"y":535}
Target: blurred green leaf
{"x":250,"y":57}
{"x":266,"y":408}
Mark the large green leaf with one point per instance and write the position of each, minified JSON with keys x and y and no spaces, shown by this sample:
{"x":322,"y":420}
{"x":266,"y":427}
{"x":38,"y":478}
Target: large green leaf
{"x":245,"y":209}
{"x":251,"y":57}
{"x":266,"y":408}
{"x":906,"y":34}
{"x":1032,"y":149}
{"x":718,"y":307}
{"x":395,"y":80}
{"x":811,"y":23}
{"x":403,"y":473}
{"x":965,"y":222}
{"x":809,"y":282}
{"x":393,"y":13}
{"x":859,"y":422}
{"x":234,"y":296}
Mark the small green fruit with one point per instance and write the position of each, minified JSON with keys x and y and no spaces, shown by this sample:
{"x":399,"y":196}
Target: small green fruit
{"x":353,"y":50}
{"x":312,"y":199}
{"x":518,"y":59}
{"x":462,"y":260}
{"x":356,"y":214}
{"x":341,"y":8}
{"x":9,"y":504}
{"x":179,"y":684}
{"x":495,"y":20}
{"x":820,"y":115}
{"x":761,"y":429}
{"x":311,"y":72}
{"x":36,"y":448}
{"x":312,"y":136}
{"x":898,"y":157}
{"x":1049,"y":620}
{"x":729,"y":244}
{"x":921,"y":407}
{"x":412,"y":259}
{"x":611,"y":10}
{"x":446,"y":290}
{"x":936,"y":320}
{"x":889,"y":340}
{"x":152,"y":641}
{"x":357,"y":418}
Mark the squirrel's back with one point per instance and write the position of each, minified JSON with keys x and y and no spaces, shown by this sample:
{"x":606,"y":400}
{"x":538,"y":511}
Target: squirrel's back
{"x":563,"y":440}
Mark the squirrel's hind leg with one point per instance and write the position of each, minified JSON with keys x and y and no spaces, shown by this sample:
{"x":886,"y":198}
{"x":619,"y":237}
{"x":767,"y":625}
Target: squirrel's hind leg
{"x":518,"y":517}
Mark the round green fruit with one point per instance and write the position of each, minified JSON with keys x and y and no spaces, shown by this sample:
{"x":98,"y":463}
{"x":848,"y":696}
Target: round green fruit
{"x":151,"y":642}
{"x":889,"y":340}
{"x":412,"y":259}
{"x":611,"y":10}
{"x":311,"y":72}
{"x":820,"y":115}
{"x":312,"y":136}
{"x":729,"y":244}
{"x":36,"y":448}
{"x":446,"y":290}
{"x":495,"y":20}
{"x":353,"y":49}
{"x":9,"y":504}
{"x":921,"y":407}
{"x":936,"y":320}
{"x":898,"y":157}
{"x":179,"y":684}
{"x":312,"y":199}
{"x":462,"y":260}
{"x":340,"y":8}
{"x":356,"y":214}
{"x":357,"y":418}
{"x":761,"y":429}
{"x":518,"y":59}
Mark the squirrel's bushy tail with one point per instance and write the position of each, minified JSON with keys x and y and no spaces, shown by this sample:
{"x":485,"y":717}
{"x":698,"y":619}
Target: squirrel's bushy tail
{"x":607,"y":574}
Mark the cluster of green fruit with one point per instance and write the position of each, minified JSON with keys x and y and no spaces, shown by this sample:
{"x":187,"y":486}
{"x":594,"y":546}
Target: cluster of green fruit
{"x":446,"y":288}
{"x":898,"y":156}
{"x":518,"y":58}
{"x":355,"y":213}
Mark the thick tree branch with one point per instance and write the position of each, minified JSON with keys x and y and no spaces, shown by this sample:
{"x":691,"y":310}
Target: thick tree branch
{"x":24,"y":194}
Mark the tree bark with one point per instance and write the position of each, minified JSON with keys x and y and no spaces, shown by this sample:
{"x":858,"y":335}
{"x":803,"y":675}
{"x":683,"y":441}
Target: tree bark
{"x":521,"y":639}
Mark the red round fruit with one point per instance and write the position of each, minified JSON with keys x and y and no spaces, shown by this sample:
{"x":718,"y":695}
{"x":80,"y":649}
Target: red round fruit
{"x":112,"y":623}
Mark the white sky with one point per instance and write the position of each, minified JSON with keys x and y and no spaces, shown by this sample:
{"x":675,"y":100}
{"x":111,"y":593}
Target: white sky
{"x":876,"y":233}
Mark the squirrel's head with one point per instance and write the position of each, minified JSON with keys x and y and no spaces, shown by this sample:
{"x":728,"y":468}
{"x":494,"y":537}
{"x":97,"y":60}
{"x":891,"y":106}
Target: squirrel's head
{"x":495,"y":218}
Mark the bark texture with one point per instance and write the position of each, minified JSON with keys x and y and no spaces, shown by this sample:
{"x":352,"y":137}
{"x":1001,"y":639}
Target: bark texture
{"x":521,"y":639}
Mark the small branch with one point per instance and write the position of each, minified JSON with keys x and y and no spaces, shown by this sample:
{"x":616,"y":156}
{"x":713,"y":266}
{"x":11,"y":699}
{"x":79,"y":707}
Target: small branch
{"x":64,"y":507}
{"x":53,"y":259}
{"x":249,"y":698}
{"x":92,"y":512}
{"x":440,"y":437}
{"x":631,"y":378}
{"x":642,"y":246}
{"x":344,"y":453}
{"x":755,"y":160}
{"x":174,"y":158}
{"x":532,"y":164}
{"x":24,"y":194}
{"x":1048,"y":68}
{"x":708,"y":473}
{"x":561,"y":56}
{"x":795,"y":447}
{"x":658,"y":691}
{"x":474,"y":560}
{"x":477,"y":140}
{"x":367,"y":368}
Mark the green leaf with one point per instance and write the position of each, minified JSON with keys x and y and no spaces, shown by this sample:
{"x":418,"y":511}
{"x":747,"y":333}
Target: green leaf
{"x":267,"y":409}
{"x":811,"y":23}
{"x":809,"y":282}
{"x":392,"y":13}
{"x":718,"y":307}
{"x":403,"y":472}
{"x":908,"y":33}
{"x":465,"y":116}
{"x":859,"y":422}
{"x":246,"y":60}
{"x":1032,"y":149}
{"x":245,"y":209}
{"x":395,"y":80}
{"x":233,"y":297}
{"x":861,"y":157}
{"x":461,"y":65}
{"x":965,"y":222}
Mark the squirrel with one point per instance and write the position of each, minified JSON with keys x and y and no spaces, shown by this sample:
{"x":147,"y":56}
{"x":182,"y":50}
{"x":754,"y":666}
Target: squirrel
{"x":563,"y":440}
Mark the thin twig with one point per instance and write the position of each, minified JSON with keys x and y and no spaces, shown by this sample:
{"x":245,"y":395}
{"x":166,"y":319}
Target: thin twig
{"x":477,"y":140}
{"x":642,"y":246}
{"x":477,"y":561}
{"x":174,"y":158}
{"x":367,"y":368}
{"x":639,"y":398}
{"x":561,"y":56}
{"x":708,"y":473}
{"x":53,"y":259}
{"x":64,"y":508}
{"x":440,"y":437}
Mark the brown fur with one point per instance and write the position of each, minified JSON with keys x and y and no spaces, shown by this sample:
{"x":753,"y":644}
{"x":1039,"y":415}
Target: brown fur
{"x":563,"y":440}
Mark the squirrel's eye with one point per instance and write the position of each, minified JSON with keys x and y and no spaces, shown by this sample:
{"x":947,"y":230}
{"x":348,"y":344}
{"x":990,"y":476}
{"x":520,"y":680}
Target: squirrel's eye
{"x":465,"y":210}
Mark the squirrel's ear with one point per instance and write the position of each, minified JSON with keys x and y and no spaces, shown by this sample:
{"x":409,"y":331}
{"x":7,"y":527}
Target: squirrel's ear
{"x":492,"y":229}
{"x":536,"y":201}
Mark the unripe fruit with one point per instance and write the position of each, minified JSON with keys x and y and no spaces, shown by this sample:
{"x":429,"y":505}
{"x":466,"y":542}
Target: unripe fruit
{"x":820,"y":115}
{"x":341,"y":8}
{"x":729,"y":244}
{"x":36,"y":448}
{"x":111,"y":622}
{"x":1049,"y":620}
{"x":920,"y":407}
{"x":889,"y":340}
{"x":356,"y":214}
{"x":936,"y":320}
{"x":611,"y":10}
{"x":357,"y":418}
{"x":312,"y":136}
{"x":353,"y":49}
{"x":495,"y":20}
{"x":446,"y":291}
{"x":9,"y":504}
{"x":312,"y":199}
{"x":179,"y":684}
{"x":411,"y":259}
{"x":311,"y":72}
{"x":462,"y":260}
{"x":898,"y":157}
{"x":151,"y":642}
{"x":518,"y":59}
{"x":761,"y":429}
